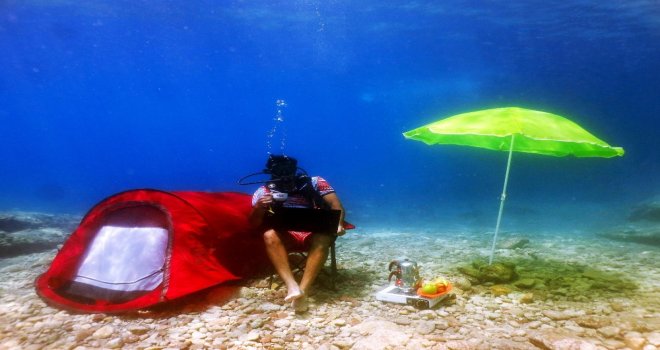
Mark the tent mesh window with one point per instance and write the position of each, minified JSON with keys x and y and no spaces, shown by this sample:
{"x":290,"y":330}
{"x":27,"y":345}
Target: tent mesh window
{"x":125,"y":259}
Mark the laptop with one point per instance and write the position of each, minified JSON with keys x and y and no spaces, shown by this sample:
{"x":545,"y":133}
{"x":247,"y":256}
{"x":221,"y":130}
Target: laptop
{"x":305,"y":219}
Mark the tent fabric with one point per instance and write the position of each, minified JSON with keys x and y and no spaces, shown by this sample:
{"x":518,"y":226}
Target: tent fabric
{"x":183,"y":242}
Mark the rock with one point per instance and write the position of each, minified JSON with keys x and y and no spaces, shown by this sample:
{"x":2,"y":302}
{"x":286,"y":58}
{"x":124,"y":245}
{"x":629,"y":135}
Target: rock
{"x":30,"y":241}
{"x":427,"y":314}
{"x":424,"y":327}
{"x":534,"y":324}
{"x":441,"y":324}
{"x":283,"y":323}
{"x":572,"y":343}
{"x":198,"y":335}
{"x":646,"y":211}
{"x":13,"y":268}
{"x":641,"y":233}
{"x":619,"y":305}
{"x":130,"y":338}
{"x":609,"y":331}
{"x":592,"y":321}
{"x":342,"y":343}
{"x":380,"y":335}
{"x":340,"y":322}
{"x":469,"y":271}
{"x":98,"y":317}
{"x":258,"y":323}
{"x":497,"y":273}
{"x":525,"y":283}
{"x":634,"y":340}
{"x":556,"y":340}
{"x":252,"y":336}
{"x":23,"y":233}
{"x":116,"y":343}
{"x":598,"y":275}
{"x":19,"y":221}
{"x":103,"y":332}
{"x":654,"y":339}
{"x":515,"y":243}
{"x":500,"y":289}
{"x":138,"y":329}
{"x":458,"y":345}
{"x":266,"y":307}
{"x":84,"y":334}
{"x":462,"y":282}
{"x":557,"y":315}
{"x":526,"y":298}
{"x":402,"y":321}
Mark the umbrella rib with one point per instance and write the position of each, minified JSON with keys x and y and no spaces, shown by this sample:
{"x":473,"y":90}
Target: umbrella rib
{"x":515,"y":133}
{"x":605,"y":146}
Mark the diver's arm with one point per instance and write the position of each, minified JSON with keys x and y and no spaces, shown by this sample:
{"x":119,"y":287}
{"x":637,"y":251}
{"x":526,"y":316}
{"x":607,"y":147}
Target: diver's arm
{"x":256,"y":217}
{"x":335,"y":203}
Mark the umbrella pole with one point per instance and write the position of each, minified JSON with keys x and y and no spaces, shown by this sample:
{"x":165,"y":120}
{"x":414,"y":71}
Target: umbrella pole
{"x":502,"y":198}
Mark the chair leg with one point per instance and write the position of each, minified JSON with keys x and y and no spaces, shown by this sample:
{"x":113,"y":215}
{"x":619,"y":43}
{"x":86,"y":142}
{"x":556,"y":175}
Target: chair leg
{"x":333,"y":266}
{"x":297,"y":261}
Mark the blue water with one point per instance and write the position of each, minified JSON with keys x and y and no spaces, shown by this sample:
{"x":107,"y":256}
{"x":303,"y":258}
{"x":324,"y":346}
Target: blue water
{"x":98,"y":97}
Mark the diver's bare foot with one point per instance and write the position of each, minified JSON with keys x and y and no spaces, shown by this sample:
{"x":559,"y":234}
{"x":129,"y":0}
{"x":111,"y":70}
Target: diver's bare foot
{"x":300,"y":304}
{"x":293,"y":295}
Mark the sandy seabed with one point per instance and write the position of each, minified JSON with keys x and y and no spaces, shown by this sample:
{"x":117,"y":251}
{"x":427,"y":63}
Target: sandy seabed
{"x":574,"y":291}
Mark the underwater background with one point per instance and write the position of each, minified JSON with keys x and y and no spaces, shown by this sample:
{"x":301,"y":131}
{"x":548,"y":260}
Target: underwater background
{"x":98,"y":97}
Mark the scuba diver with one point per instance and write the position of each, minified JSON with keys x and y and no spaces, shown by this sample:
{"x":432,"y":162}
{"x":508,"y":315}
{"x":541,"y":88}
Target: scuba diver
{"x":291,"y":187}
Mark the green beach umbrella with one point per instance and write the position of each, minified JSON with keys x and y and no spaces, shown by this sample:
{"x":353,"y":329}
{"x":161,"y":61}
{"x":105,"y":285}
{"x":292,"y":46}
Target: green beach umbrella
{"x":514,"y":129}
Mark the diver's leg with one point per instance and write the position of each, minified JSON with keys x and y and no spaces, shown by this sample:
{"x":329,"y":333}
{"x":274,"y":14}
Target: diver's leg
{"x":318,"y":253}
{"x":280,"y":259}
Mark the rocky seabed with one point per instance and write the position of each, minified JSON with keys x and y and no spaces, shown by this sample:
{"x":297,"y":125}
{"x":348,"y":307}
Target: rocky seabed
{"x":479,"y":315}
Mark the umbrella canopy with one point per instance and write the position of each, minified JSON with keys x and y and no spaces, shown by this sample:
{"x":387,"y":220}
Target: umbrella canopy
{"x":535,"y":132}
{"x":514,"y":129}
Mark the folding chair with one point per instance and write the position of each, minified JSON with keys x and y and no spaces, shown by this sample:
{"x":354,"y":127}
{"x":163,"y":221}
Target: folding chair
{"x":298,"y":260}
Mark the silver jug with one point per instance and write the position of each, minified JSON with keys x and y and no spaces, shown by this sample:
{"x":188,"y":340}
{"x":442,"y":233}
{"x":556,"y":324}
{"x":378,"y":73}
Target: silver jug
{"x":406,"y":272}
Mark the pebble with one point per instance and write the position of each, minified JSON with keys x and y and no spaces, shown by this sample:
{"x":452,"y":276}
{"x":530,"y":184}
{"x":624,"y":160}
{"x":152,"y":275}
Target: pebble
{"x":654,"y":339}
{"x":114,"y":343}
{"x":534,"y":324}
{"x":282,"y":323}
{"x":252,"y":336}
{"x":592,"y":321}
{"x":268,"y":307}
{"x":84,"y":334}
{"x":340,"y":322}
{"x":103,"y":332}
{"x":138,"y":329}
{"x":424,"y":327}
{"x":634,"y":340}
{"x":609,"y":331}
{"x":402,"y":321}
{"x":556,"y":315}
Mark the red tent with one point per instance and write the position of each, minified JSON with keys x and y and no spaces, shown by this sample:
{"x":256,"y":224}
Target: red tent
{"x":143,"y":247}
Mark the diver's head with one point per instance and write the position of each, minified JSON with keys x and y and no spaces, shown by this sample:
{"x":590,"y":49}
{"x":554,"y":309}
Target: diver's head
{"x":281,"y":166}
{"x":282,"y":170}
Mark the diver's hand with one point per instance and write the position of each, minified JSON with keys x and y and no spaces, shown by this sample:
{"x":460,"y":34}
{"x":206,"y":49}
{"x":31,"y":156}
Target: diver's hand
{"x":265,"y":202}
{"x":341,"y":230}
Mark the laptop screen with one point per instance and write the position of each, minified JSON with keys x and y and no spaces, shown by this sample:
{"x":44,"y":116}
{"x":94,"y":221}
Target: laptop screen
{"x":305,"y":219}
